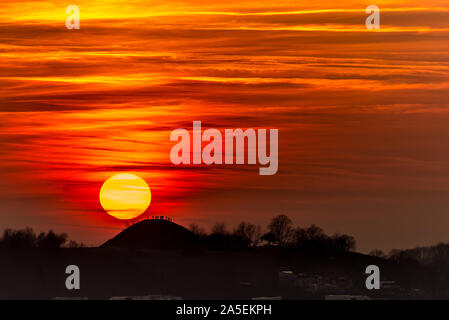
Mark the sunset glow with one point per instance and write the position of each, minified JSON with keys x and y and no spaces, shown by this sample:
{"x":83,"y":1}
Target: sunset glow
{"x":362,"y":114}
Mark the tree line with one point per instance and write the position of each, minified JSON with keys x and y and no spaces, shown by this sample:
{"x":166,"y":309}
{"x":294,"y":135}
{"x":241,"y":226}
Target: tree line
{"x":280,"y":232}
{"x":432,"y":255}
{"x":28,"y":239}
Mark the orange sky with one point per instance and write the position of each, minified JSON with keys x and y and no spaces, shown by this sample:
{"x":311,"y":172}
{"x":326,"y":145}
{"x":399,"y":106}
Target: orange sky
{"x":362,"y":115}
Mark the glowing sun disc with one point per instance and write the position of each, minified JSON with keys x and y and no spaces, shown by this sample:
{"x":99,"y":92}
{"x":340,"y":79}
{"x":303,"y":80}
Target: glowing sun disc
{"x":125,"y":196}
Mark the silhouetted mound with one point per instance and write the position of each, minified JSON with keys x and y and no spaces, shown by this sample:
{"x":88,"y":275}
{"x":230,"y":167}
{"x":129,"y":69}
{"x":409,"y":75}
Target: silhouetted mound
{"x":153,"y":234}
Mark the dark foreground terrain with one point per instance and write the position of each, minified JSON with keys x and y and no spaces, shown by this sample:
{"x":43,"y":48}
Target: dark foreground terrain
{"x":223,"y":274}
{"x":112,"y":272}
{"x":160,"y":258}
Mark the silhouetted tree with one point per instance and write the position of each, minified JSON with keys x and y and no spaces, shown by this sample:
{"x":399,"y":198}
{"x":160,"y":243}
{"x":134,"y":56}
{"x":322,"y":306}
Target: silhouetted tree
{"x":313,"y":238}
{"x":219,"y":228}
{"x":280,"y":227}
{"x":314,"y":232}
{"x":25,"y":238}
{"x":51,"y":240}
{"x":247,"y":234}
{"x":197,"y":230}
{"x":269,"y":237}
{"x":343,"y":242}
{"x":433,"y":255}
{"x":219,"y":236}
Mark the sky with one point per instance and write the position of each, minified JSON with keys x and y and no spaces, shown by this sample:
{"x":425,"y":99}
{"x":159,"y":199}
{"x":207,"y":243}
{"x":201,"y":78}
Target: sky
{"x":362,"y":114}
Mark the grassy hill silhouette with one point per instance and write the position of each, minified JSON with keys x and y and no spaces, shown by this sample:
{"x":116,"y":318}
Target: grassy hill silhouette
{"x":153,"y":234}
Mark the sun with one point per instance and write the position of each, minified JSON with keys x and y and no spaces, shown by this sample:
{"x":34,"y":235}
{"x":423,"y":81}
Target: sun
{"x":125,"y":196}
